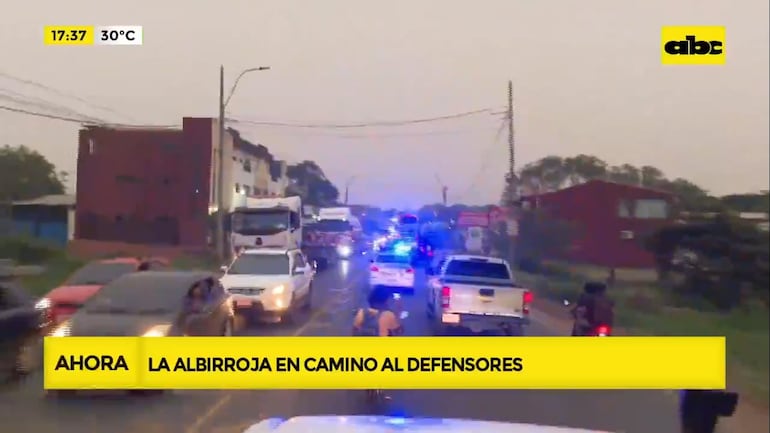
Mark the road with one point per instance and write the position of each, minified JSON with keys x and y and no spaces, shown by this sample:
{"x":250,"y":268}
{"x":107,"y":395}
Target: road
{"x":337,"y":292}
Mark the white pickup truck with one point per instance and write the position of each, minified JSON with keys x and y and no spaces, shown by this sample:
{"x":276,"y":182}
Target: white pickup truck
{"x":476,"y":293}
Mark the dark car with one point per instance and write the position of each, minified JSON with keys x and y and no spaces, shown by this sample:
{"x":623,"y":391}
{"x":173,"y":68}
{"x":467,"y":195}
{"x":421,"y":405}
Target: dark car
{"x":20,"y":328}
{"x":154,"y":303}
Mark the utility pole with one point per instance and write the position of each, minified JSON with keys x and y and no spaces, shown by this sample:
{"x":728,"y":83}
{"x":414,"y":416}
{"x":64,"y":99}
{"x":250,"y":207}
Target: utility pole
{"x":512,"y":182}
{"x":347,"y":187}
{"x":220,"y":178}
{"x":220,"y":163}
{"x":511,"y":149}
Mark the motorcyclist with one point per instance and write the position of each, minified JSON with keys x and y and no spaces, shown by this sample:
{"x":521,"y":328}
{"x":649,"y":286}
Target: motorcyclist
{"x":378,"y":319}
{"x":593,"y":309}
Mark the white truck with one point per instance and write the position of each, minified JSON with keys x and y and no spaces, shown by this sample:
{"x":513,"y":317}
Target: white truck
{"x":477,"y":294}
{"x":266,"y":222}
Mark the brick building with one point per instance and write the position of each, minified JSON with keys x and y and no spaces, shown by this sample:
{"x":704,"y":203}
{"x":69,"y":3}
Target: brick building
{"x":611,"y":218}
{"x":157,"y":186}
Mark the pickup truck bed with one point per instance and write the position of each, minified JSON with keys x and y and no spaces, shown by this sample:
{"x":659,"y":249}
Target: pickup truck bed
{"x":478,"y":304}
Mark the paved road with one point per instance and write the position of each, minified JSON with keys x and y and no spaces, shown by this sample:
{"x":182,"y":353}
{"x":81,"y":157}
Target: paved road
{"x":337,"y":292}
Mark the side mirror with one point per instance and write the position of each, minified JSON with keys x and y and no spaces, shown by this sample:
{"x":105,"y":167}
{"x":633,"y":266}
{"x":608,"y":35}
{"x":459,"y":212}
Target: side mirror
{"x":223,"y":268}
{"x":299,"y":271}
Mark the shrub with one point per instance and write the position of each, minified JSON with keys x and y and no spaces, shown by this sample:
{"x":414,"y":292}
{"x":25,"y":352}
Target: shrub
{"x":27,"y":251}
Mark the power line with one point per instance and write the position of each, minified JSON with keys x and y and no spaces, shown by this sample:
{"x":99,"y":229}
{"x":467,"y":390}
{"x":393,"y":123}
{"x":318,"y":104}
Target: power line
{"x":83,"y":122}
{"x":63,"y":94}
{"x":362,"y":124}
{"x":486,"y":159}
{"x":375,"y":135}
{"x":20,"y":98}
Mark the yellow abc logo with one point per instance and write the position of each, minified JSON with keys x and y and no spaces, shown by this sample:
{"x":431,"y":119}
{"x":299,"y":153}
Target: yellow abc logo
{"x":692,"y":45}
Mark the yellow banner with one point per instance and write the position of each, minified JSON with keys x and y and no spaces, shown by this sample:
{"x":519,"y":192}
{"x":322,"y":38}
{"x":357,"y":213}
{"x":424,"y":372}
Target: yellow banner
{"x":384,"y":363}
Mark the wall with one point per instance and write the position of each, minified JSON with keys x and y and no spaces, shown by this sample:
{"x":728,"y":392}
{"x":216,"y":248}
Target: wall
{"x":47,"y":223}
{"x":277,"y":186}
{"x":144,"y":186}
{"x":593,"y":208}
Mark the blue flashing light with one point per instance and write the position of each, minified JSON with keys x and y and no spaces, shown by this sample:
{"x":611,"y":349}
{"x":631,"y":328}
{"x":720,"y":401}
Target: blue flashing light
{"x":401,"y":248}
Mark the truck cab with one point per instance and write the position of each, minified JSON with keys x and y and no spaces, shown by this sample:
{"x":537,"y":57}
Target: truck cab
{"x":266,"y":222}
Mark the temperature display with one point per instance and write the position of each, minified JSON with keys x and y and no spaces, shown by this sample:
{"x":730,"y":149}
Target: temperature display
{"x":118,"y":35}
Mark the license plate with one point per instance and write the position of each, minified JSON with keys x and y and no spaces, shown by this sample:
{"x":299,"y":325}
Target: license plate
{"x":450,"y":318}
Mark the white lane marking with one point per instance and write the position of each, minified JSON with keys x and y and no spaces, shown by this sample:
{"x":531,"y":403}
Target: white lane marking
{"x":222,"y":401}
{"x":210,"y":412}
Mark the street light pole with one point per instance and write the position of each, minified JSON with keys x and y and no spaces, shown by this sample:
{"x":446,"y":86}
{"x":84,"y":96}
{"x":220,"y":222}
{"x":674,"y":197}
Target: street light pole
{"x":220,"y":163}
{"x":347,"y":187}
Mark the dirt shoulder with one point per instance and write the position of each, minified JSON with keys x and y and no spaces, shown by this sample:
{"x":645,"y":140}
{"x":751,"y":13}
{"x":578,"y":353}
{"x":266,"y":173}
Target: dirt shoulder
{"x":750,"y":416}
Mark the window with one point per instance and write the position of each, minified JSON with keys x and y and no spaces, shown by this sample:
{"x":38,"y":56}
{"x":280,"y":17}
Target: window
{"x":478,"y":269}
{"x":237,"y":187}
{"x":624,"y":209}
{"x":247,"y":165}
{"x":651,"y":209}
{"x":91,"y":146}
{"x":260,"y":264}
{"x":246,"y":190}
{"x":294,"y":220}
{"x":299,"y":261}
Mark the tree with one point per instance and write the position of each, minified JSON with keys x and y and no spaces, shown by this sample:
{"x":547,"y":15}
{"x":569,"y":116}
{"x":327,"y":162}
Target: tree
{"x":26,"y":174}
{"x":748,"y":202}
{"x":310,"y":182}
{"x":554,"y":172}
{"x":718,"y":260}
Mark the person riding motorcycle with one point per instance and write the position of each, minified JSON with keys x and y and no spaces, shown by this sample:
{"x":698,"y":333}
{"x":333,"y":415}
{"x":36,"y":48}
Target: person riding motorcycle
{"x":593,"y":309}
{"x":378,"y":319}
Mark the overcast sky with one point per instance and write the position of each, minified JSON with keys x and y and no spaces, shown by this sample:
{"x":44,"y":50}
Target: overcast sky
{"x":587,"y":78}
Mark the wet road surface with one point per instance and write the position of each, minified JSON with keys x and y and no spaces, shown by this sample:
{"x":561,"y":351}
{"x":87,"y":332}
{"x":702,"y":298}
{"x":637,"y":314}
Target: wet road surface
{"x":337,"y":292}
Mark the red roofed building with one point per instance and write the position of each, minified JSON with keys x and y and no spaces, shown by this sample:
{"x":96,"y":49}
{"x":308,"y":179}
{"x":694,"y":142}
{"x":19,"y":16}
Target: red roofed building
{"x":611,"y":219}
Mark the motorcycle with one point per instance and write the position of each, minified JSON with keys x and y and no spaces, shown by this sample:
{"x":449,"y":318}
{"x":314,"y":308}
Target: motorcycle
{"x":581,"y":325}
{"x":377,"y":398}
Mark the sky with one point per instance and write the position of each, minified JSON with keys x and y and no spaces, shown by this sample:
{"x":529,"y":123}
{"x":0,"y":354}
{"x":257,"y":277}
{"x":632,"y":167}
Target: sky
{"x":587,"y":79}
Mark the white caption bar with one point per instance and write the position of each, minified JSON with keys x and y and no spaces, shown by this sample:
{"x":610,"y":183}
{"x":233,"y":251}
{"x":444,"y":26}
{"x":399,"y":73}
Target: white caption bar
{"x":118,"y":35}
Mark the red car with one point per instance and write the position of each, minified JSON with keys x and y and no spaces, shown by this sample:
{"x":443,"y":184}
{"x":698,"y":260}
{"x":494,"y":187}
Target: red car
{"x":64,"y":300}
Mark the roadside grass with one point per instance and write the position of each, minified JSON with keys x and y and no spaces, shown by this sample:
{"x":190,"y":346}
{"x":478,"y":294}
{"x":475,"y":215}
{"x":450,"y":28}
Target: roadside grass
{"x":56,"y":271}
{"x":59,"y":268}
{"x":644,"y":308}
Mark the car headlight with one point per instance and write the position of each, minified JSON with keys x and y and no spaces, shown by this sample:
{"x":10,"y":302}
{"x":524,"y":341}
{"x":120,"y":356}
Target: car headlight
{"x":43,"y":304}
{"x":278,"y":290}
{"x":62,"y":330}
{"x":344,"y":250}
{"x":157,"y":331}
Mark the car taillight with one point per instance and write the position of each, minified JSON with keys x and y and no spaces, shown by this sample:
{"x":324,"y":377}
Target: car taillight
{"x":374,"y":268}
{"x":409,"y":271}
{"x":527,"y":299}
{"x":603,"y":331}
{"x":446,"y":294}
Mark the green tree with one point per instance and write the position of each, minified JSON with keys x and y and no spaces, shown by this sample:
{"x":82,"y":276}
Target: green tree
{"x":26,"y":174}
{"x":747,"y":202}
{"x":310,"y":182}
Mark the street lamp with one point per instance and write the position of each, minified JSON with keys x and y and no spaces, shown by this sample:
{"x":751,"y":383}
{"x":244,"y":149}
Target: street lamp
{"x":220,"y":231}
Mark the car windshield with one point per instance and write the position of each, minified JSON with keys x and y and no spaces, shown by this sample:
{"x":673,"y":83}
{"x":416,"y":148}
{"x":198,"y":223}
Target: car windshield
{"x":332,"y":226}
{"x":480,"y":269}
{"x":130,"y":295}
{"x":260,"y":264}
{"x":408,"y":219}
{"x":99,"y":274}
{"x":260,"y":223}
{"x":392,"y":258}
